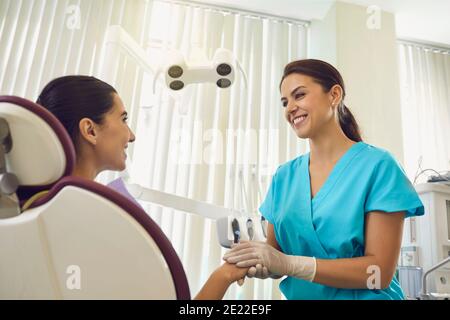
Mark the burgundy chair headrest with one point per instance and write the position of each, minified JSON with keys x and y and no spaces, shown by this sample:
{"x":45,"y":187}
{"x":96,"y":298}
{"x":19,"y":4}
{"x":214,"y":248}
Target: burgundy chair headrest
{"x":42,"y":151}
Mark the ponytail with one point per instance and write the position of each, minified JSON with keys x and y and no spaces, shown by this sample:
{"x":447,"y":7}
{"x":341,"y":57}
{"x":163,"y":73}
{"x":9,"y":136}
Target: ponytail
{"x":348,"y":123}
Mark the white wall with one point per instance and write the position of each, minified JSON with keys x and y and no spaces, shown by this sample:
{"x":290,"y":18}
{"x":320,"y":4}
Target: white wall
{"x":323,"y":38}
{"x":368,"y":61}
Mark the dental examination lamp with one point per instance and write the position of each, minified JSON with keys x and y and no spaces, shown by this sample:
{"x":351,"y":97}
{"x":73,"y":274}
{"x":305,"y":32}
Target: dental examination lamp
{"x":178,"y":73}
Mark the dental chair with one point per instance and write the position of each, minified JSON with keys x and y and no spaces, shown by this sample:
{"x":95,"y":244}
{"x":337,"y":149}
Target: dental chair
{"x":78,"y":239}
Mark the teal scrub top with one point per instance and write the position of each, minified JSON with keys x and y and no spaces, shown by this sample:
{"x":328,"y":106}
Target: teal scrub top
{"x":331,"y":225}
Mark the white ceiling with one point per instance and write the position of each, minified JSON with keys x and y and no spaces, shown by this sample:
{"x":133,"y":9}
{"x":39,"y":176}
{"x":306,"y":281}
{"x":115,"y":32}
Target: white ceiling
{"x":423,"y":20}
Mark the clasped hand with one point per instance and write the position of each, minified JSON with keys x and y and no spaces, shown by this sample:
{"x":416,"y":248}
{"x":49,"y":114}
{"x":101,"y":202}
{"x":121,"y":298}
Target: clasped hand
{"x":266,"y":261}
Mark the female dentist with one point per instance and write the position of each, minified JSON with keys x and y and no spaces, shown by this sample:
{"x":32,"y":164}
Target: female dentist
{"x":336,"y":213}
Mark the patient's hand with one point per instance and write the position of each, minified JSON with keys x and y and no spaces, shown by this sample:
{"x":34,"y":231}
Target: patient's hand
{"x":232,"y":273}
{"x":219,"y":281}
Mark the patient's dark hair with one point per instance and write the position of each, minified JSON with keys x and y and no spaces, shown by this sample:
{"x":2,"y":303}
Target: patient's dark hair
{"x":72,"y":98}
{"x":327,"y":76}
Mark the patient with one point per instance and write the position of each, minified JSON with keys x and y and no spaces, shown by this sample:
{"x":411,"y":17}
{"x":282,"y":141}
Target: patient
{"x":95,"y":118}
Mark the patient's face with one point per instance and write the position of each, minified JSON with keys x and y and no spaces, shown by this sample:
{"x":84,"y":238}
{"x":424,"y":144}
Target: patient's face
{"x":302,"y":96}
{"x":113,"y":138}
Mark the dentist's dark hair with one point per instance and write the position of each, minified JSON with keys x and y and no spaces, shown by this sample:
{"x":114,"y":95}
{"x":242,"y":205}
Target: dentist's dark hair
{"x":327,"y":76}
{"x":72,"y":98}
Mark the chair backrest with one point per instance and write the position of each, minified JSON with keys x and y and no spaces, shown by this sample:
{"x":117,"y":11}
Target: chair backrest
{"x":81,"y":240}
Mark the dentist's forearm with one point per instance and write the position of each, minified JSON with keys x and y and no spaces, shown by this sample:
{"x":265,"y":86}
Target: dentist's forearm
{"x":352,"y":273}
{"x":383,"y":237}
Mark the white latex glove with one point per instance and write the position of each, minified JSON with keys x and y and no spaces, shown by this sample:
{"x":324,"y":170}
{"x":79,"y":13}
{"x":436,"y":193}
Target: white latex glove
{"x":252,"y":253}
{"x":259,"y":271}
